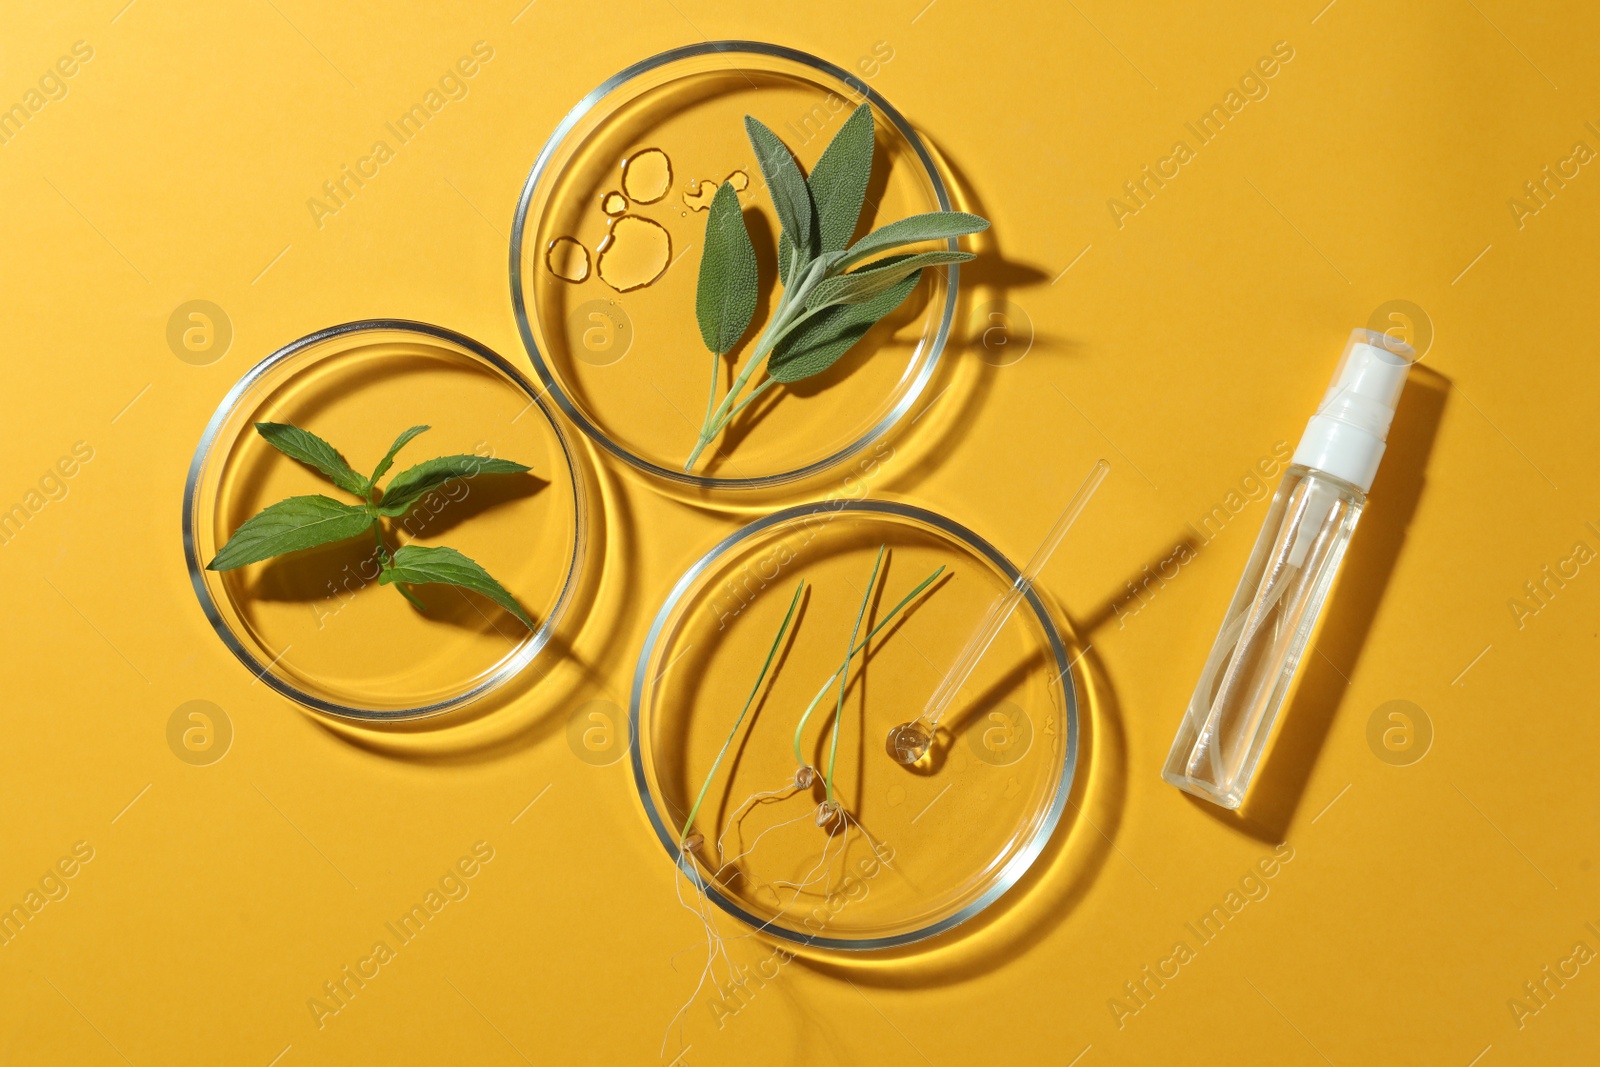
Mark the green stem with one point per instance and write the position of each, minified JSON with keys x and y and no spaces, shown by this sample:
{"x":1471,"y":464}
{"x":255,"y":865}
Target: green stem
{"x":771,"y":655}
{"x":383,"y":561}
{"x":887,"y":619}
{"x":789,"y":314}
{"x":711,"y":394}
{"x":760,"y":388}
{"x":844,"y":679}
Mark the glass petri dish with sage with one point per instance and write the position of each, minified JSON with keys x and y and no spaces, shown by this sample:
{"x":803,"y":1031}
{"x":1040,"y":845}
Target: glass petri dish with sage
{"x":904,"y":852}
{"x":605,"y":256}
{"x":316,"y":625}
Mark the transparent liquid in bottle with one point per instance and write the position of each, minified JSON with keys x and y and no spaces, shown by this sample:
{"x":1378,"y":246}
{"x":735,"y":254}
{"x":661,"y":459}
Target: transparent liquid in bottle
{"x":1263,"y":635}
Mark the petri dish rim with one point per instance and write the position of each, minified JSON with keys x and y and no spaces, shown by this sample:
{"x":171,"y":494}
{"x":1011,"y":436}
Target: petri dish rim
{"x":547,"y":375}
{"x":203,"y":454}
{"x":1018,"y":864}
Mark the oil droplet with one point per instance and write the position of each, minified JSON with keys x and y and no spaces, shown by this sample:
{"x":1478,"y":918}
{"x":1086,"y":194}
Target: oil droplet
{"x":647,"y":175}
{"x":567,"y":259}
{"x":613,"y":203}
{"x":703,"y":190}
{"x":634,"y":253}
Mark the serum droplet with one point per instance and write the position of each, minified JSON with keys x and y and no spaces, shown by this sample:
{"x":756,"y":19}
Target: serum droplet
{"x":647,"y":175}
{"x":634,"y":253}
{"x":567,"y":259}
{"x":908,"y":742}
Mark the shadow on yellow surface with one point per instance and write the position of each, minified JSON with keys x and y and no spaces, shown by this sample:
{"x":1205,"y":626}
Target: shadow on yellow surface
{"x":1286,"y":767}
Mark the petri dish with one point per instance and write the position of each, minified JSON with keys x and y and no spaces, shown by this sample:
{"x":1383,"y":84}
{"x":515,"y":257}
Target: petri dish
{"x":315,"y":625}
{"x":622,"y":355}
{"x":923,"y":848}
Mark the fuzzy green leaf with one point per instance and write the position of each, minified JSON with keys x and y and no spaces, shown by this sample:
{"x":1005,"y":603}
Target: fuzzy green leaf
{"x":290,"y":525}
{"x":414,"y":483}
{"x":838,"y":184}
{"x":388,"y":459}
{"x":419,"y":565}
{"x":786,"y":185}
{"x":821,"y":340}
{"x":932,"y":226}
{"x":725,"y":299}
{"x":866,"y":283}
{"x":314,"y":452}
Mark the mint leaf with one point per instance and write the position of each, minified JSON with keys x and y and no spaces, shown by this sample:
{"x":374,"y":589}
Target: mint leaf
{"x":289,"y":525}
{"x":414,"y":483}
{"x":862,"y":285}
{"x":787,"y":187}
{"x":388,"y":458}
{"x":816,"y":344}
{"x":314,"y":452}
{"x":725,"y":299}
{"x":417,"y":565}
{"x":838,"y":184}
{"x":931,"y":226}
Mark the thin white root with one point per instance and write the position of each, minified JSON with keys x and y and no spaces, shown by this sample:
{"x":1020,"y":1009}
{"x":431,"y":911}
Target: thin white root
{"x":778,"y":795}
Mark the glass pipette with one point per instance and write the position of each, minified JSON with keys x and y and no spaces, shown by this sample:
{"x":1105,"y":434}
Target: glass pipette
{"x":908,"y":742}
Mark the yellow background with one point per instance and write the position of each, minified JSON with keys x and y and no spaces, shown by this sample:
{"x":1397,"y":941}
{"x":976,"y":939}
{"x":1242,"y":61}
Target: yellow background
{"x":1184,"y":345}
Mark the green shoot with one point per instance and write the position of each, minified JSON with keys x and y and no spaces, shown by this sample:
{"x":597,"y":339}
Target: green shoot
{"x":772,"y":654}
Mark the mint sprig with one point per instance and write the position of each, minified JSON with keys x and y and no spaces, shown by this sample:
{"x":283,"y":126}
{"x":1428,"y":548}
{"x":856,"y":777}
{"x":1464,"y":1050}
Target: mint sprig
{"x":826,"y":307}
{"x":302,"y":522}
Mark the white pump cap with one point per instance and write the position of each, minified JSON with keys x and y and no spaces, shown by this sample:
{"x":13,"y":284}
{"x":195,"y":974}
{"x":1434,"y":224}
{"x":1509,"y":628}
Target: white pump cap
{"x":1345,"y":438}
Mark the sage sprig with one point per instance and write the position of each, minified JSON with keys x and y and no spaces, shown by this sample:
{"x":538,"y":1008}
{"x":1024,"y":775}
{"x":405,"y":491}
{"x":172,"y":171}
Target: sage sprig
{"x":302,"y":522}
{"x":826,"y":306}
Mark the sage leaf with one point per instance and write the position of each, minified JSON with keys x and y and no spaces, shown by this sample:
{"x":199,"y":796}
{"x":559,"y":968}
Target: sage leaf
{"x":314,"y":452}
{"x":414,"y":483}
{"x":862,"y":285}
{"x":419,"y":565}
{"x":838,"y":184}
{"x":819,"y":342}
{"x":290,"y":525}
{"x":931,"y":226}
{"x":725,"y":299}
{"x":388,"y":458}
{"x":787,"y":187}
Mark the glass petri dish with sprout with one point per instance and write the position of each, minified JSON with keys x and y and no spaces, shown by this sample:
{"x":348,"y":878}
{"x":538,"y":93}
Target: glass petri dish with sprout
{"x":317,"y":625}
{"x":763,"y":766}
{"x":606,"y":248}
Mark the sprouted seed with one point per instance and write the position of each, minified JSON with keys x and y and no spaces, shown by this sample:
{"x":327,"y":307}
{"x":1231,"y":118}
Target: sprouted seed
{"x":829,"y":814}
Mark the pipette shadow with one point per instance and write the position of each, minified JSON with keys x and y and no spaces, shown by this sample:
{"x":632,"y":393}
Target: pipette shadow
{"x":957,"y":725}
{"x":1286,"y":767}
{"x":1048,"y":892}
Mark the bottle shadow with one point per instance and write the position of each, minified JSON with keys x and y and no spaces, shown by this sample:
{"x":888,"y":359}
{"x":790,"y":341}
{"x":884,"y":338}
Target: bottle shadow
{"x":1279,"y":788}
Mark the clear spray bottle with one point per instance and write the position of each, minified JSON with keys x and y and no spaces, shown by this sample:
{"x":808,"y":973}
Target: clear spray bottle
{"x":1291,"y":569}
